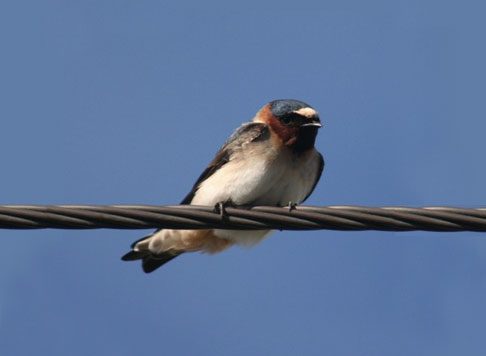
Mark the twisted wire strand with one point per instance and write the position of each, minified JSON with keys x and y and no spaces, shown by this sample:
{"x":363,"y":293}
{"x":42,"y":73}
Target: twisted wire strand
{"x":242,"y":218}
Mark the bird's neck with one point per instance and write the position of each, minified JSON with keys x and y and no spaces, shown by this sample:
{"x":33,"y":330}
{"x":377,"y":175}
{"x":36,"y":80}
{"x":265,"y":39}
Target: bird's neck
{"x":298,"y":139}
{"x":305,"y":139}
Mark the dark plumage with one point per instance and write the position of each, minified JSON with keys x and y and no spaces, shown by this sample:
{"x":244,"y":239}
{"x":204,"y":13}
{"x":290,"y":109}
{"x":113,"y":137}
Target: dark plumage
{"x":285,"y":106}
{"x":295,"y":122}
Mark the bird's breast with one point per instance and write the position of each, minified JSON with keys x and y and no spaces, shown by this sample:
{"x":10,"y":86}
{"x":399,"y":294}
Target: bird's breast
{"x":261,"y":175}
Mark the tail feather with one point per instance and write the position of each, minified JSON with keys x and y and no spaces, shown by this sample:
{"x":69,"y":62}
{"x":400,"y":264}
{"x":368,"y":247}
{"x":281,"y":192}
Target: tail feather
{"x":150,"y":261}
{"x":133,"y":256}
{"x":164,"y":245}
{"x":134,"y":243}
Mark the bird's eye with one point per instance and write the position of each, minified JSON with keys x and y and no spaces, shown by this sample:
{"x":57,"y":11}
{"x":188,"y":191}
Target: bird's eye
{"x":287,"y":120}
{"x":292,"y":119}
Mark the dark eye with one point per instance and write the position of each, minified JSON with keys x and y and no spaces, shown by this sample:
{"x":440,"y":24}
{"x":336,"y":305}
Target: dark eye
{"x":292,"y":119}
{"x":287,"y":120}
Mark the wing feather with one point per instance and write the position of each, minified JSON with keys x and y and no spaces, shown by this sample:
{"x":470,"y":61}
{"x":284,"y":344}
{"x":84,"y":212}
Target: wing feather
{"x":248,"y":132}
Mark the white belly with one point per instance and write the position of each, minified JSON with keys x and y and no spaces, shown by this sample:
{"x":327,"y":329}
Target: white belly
{"x":259,"y":179}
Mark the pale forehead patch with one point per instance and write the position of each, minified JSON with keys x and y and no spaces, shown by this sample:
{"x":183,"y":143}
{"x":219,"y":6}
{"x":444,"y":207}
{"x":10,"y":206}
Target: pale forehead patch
{"x":307,"y":112}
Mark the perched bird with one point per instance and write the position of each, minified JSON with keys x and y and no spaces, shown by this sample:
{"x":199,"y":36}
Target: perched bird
{"x":269,"y":161}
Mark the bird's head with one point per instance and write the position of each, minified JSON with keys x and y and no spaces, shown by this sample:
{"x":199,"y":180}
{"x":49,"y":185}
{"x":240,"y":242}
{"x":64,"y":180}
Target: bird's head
{"x":294,"y":122}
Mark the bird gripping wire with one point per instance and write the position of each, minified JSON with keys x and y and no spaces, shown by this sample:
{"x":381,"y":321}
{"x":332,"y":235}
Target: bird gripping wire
{"x":349,"y":218}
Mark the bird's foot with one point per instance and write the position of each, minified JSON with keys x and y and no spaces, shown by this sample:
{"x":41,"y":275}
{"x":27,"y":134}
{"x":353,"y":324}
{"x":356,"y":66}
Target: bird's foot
{"x":291,"y":206}
{"x":220,"y":208}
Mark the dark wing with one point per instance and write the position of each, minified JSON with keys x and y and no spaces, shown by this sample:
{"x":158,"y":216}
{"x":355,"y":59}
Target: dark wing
{"x":249,"y":132}
{"x":318,"y":176}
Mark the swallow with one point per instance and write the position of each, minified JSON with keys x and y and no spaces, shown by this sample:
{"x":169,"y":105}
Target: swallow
{"x":268,"y":161}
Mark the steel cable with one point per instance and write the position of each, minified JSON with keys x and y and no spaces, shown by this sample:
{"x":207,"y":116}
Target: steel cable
{"x":242,"y":218}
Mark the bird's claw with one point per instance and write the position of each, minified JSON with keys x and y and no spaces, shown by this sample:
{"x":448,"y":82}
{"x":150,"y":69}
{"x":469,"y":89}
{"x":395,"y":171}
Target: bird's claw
{"x":220,"y":208}
{"x":291,"y":206}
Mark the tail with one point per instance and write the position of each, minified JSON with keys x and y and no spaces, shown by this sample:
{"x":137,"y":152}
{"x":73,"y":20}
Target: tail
{"x":164,"y":245}
{"x":150,"y":260}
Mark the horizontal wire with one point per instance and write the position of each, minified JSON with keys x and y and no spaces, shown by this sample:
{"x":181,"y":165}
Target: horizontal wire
{"x":350,"y":218}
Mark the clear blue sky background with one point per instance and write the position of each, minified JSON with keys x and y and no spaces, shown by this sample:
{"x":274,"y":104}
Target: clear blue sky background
{"x":114,"y":102}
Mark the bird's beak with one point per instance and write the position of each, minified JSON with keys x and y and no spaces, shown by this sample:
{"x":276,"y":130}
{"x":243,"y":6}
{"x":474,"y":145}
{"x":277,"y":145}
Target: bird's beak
{"x":312,"y":124}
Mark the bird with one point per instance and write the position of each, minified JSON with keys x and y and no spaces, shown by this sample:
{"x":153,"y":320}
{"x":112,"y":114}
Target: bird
{"x":271,"y":160}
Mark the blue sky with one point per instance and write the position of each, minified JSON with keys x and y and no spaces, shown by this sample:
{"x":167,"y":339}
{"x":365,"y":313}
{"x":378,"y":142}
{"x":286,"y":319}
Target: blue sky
{"x":125,"y":102}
